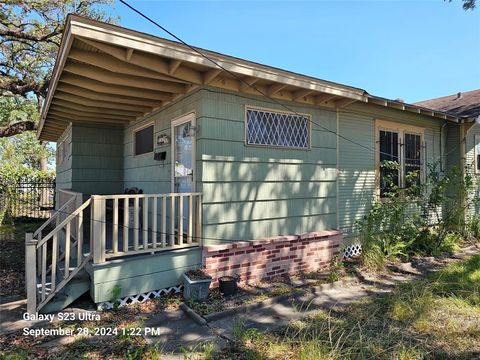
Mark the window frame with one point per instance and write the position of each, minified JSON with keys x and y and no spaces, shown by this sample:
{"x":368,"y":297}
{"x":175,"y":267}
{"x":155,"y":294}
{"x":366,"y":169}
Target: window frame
{"x":134,"y":138}
{"x":259,"y":108}
{"x":401,"y":129}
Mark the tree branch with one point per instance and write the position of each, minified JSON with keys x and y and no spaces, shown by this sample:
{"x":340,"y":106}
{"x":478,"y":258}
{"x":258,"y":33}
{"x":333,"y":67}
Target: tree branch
{"x":17,"y":35}
{"x":17,"y":128}
{"x":20,"y":87}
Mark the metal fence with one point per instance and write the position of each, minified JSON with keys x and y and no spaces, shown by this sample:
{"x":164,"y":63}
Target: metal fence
{"x":29,"y":198}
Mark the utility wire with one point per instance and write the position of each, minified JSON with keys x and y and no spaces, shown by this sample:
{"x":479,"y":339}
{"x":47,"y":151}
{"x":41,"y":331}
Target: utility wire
{"x":249,"y":85}
{"x":235,"y":75}
{"x":468,"y":204}
{"x":252,"y":86}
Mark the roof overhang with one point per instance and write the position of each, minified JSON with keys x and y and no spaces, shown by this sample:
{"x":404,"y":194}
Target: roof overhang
{"x":105,"y":74}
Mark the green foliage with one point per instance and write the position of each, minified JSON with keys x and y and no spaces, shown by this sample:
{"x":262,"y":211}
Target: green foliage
{"x":31,"y":34}
{"x":434,"y":318}
{"x":115,"y":296}
{"x":336,"y":267}
{"x":32,"y":37}
{"x":473,"y":227}
{"x":23,"y":150}
{"x":425,"y":218}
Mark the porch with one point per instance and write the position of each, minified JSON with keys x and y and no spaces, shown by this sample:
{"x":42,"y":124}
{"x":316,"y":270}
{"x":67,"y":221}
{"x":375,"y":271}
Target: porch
{"x":92,"y":240}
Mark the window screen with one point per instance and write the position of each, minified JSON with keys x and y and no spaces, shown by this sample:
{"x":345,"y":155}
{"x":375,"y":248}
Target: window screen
{"x":413,"y":164}
{"x":277,"y":129}
{"x":389,"y":176}
{"x":144,"y":140}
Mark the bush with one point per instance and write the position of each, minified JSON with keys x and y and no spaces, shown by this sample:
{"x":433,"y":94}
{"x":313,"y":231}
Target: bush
{"x":473,"y":228}
{"x":424,"y":219}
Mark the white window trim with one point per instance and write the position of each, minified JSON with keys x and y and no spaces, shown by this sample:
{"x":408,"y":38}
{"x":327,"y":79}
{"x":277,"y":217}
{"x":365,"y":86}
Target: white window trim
{"x":259,"y":108}
{"x":134,"y":141}
{"x":401,"y":129}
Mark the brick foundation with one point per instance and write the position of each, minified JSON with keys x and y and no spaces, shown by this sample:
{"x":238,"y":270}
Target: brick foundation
{"x":265,"y":258}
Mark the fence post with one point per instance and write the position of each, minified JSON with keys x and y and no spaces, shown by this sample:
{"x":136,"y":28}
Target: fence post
{"x":31,"y":272}
{"x":98,"y":226}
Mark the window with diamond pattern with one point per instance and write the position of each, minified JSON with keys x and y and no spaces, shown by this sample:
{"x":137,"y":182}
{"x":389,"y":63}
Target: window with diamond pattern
{"x":277,"y":129}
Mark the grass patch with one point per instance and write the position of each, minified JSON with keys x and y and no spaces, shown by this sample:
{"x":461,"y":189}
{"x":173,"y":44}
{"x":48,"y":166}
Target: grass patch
{"x":437,"y":317}
{"x":12,"y":256}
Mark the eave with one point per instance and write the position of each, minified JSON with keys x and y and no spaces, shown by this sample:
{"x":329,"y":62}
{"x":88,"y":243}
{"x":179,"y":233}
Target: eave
{"x":106,"y":74}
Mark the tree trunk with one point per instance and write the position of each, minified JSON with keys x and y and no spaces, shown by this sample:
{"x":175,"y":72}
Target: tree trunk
{"x":42,"y":164}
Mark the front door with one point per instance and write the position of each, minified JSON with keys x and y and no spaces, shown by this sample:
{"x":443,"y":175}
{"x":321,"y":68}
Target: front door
{"x":183,"y":154}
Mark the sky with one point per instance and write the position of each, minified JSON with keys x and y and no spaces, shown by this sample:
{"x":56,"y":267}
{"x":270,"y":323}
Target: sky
{"x":413,"y":50}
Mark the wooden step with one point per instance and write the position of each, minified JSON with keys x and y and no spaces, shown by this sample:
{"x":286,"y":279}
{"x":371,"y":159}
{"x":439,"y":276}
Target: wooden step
{"x":75,"y":288}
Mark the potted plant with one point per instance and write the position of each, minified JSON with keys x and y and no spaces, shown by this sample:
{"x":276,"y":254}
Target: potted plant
{"x":196,"y":284}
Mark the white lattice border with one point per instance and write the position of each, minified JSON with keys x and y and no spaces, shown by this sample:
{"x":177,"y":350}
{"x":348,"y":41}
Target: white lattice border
{"x":352,"y":251}
{"x":140,"y":298}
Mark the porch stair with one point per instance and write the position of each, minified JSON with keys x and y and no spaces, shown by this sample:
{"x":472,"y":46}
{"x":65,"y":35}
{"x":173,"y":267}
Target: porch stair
{"x":76,"y":287}
{"x":100,"y":229}
{"x":52,"y":287}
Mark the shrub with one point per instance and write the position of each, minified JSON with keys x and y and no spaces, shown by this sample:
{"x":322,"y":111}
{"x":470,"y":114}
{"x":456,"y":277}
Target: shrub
{"x":426,"y":219}
{"x":473,"y":227}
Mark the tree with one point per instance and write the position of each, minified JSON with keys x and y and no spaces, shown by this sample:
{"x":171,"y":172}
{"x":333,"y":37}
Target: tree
{"x":30,"y":35}
{"x":467,"y":4}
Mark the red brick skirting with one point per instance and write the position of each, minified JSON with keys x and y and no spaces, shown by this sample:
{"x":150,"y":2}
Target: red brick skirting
{"x":262,"y":259}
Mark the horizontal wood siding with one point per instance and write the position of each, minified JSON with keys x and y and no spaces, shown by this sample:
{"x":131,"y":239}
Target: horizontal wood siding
{"x":142,"y":171}
{"x":64,"y":170}
{"x":357,"y":162}
{"x":97,"y":166}
{"x":356,"y":180}
{"x":474,"y":205}
{"x":452,"y":146}
{"x":140,"y":274}
{"x":255,"y":192}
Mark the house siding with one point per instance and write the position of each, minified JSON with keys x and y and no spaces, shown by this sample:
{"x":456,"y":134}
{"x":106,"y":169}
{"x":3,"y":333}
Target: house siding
{"x":64,"y":170}
{"x":142,"y":171}
{"x":97,"y":166}
{"x":93,"y":163}
{"x":473,"y":205}
{"x":255,"y":192}
{"x":357,"y":162}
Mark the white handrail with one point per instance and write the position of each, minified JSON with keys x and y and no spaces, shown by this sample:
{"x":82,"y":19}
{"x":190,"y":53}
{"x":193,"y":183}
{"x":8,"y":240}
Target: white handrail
{"x":63,"y":223}
{"x":63,"y":265}
{"x":54,"y":216}
{"x":141,"y":196}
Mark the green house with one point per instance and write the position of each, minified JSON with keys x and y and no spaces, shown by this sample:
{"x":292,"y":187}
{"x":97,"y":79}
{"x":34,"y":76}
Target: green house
{"x":171,"y":158}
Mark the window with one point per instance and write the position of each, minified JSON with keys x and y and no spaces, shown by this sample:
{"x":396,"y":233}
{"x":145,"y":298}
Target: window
{"x":389,"y":175}
{"x":144,"y":140}
{"x":400,"y":153}
{"x":413,"y":165}
{"x":477,"y":154}
{"x":277,"y":129}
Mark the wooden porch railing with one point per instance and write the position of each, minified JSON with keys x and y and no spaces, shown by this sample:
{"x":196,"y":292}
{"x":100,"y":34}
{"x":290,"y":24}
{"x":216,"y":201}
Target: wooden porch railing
{"x":120,"y":225}
{"x":123,"y":225}
{"x":51,"y":261}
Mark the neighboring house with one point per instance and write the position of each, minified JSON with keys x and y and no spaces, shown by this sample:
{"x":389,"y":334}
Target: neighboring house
{"x":462,"y":141}
{"x":247,"y":169}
